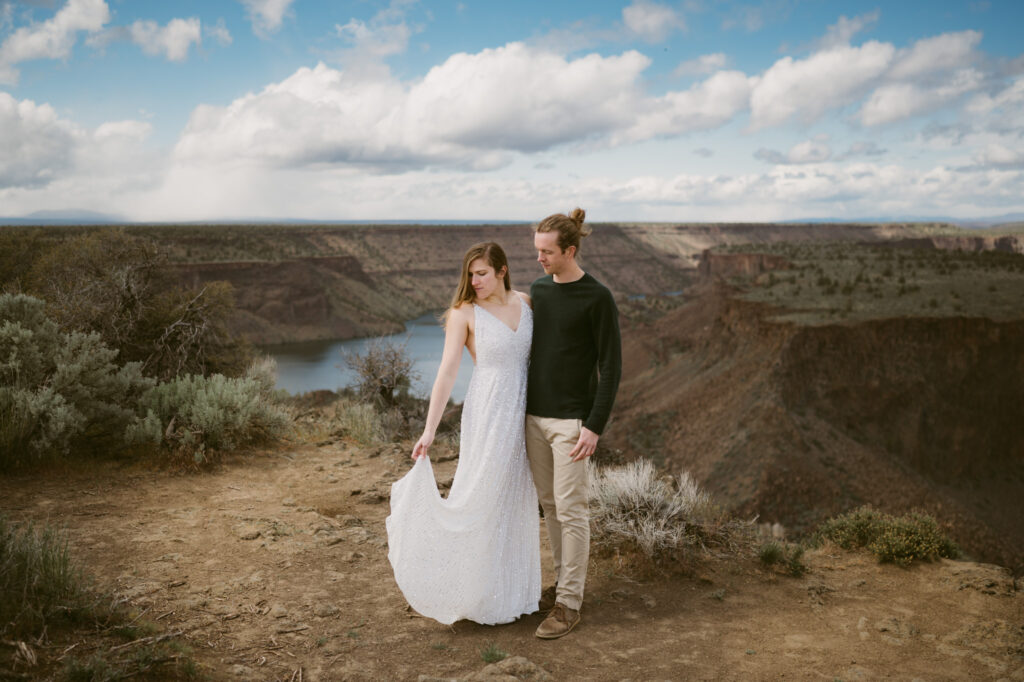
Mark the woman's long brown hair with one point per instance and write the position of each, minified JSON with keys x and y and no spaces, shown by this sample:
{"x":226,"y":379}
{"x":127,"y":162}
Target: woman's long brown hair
{"x":495,"y":257}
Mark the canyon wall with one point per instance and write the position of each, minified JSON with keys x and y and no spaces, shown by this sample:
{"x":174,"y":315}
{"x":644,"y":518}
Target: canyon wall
{"x":794,"y":424}
{"x":296,"y":283}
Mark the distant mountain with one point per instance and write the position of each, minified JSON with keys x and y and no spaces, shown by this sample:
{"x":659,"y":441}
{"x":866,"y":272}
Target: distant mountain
{"x":1004,"y":219}
{"x":64,"y":217}
{"x":961,"y":222}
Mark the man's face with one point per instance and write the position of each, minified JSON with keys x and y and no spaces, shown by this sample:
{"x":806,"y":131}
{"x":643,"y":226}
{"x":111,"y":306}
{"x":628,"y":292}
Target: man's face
{"x":552,"y":259}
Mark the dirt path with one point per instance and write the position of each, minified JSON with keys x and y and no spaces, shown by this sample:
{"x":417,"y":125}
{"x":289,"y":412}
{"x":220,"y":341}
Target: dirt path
{"x":278,"y":562}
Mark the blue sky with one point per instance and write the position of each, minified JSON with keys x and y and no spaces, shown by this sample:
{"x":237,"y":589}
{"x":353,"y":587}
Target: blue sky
{"x":471,"y":110}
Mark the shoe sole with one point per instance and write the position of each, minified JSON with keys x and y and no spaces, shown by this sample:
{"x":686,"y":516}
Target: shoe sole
{"x":561,"y":634}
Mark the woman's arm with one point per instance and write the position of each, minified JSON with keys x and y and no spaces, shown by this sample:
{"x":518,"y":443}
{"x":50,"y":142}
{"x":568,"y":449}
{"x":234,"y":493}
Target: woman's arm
{"x":456,"y":331}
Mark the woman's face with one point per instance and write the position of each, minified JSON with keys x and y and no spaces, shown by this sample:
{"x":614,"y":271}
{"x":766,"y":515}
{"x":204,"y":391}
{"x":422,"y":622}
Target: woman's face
{"x":484,"y":280}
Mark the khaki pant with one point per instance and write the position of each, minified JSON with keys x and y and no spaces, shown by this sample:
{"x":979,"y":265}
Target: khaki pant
{"x":562,"y":492}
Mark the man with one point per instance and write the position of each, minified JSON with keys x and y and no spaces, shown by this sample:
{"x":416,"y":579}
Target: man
{"x":575,"y":365}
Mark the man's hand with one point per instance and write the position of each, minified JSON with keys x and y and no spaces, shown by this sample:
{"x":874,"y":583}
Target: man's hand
{"x":585,"y":446}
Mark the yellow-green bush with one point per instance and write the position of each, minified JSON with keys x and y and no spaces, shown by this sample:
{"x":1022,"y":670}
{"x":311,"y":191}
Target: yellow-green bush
{"x":896,"y":539}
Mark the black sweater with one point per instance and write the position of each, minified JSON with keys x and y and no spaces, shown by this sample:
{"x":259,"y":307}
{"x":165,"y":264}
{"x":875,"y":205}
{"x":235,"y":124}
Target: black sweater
{"x":576,"y":359}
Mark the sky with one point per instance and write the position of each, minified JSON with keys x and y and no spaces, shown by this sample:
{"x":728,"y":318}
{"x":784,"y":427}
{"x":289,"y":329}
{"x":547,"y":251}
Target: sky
{"x":648,"y":110}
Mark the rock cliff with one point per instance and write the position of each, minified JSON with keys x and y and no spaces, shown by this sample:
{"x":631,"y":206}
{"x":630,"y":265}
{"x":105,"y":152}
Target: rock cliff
{"x":796,"y":423}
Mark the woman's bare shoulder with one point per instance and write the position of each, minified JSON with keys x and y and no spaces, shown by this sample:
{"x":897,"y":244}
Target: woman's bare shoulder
{"x":525,"y":297}
{"x":462,"y":313}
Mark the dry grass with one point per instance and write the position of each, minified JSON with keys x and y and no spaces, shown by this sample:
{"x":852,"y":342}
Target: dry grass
{"x":46,"y":598}
{"x":655,"y":522}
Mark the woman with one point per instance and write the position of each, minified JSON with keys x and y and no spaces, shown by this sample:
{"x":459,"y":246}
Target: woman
{"x":476,"y":554}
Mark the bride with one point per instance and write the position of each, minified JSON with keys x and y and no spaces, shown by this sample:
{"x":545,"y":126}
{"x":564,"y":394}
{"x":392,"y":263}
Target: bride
{"x":476,"y":554}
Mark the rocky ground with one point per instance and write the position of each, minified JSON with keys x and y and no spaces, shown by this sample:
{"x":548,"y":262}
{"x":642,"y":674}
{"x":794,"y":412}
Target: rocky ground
{"x":274,"y":567}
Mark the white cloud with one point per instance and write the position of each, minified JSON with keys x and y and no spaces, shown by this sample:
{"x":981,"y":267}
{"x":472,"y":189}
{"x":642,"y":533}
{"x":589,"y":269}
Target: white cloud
{"x":172,"y":40}
{"x":863,"y":148}
{"x":708,"y":104}
{"x":651,"y":21}
{"x":843,"y":30}
{"x":517,"y":98}
{"x":384,"y":35}
{"x":219,"y":32}
{"x":808,"y":151}
{"x":939,"y":53}
{"x":1010,"y":96}
{"x":36,"y":145}
{"x":705,"y":64}
{"x":1002,"y":156}
{"x":806,"y":88}
{"x":898,"y":101}
{"x":468,"y":112}
{"x":126,"y":130}
{"x":53,"y":38}
{"x":266,"y":15}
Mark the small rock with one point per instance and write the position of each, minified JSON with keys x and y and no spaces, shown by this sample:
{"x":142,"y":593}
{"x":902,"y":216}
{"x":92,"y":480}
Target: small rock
{"x":353,"y":556}
{"x":347,"y":520}
{"x":248,"y":532}
{"x":515,"y":667}
{"x":288,"y":502}
{"x":278,"y":611}
{"x":319,"y":467}
{"x":325,"y":610}
{"x":174,"y":558}
{"x":648,"y":601}
{"x":242,"y":671}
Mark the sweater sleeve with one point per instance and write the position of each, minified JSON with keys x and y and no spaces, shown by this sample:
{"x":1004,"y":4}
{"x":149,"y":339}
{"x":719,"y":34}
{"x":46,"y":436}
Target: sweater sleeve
{"x":604,"y":323}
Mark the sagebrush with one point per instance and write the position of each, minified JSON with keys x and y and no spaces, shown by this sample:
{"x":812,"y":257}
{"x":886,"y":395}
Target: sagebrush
{"x":195,"y":417}
{"x":631,"y":507}
{"x":59,"y":390}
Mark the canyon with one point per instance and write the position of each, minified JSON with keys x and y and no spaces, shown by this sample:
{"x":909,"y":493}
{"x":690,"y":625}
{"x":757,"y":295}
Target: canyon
{"x":789,"y":423}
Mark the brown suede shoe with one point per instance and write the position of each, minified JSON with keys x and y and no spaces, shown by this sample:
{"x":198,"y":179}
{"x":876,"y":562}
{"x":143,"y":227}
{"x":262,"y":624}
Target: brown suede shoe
{"x":547,"y":599}
{"x":559,"y":622}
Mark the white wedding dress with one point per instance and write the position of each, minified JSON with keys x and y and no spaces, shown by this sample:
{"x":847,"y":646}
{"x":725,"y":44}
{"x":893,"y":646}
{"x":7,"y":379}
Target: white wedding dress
{"x":476,"y":554}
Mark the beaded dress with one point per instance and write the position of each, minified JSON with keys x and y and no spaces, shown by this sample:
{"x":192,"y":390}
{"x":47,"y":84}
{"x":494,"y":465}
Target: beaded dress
{"x":476,"y":554}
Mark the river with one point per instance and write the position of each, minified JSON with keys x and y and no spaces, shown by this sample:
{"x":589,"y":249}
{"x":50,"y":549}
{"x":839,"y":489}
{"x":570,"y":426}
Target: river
{"x":316,"y":365}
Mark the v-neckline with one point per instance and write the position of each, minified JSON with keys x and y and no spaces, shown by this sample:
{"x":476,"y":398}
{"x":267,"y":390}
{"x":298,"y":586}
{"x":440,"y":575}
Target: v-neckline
{"x":519,"y":323}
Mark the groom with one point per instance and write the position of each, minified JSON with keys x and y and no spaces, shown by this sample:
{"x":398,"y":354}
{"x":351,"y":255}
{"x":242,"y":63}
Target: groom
{"x":575,"y":365}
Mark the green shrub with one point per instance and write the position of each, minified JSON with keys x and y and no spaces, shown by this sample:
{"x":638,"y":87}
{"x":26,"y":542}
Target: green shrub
{"x":58,"y":391}
{"x":896,"y":539}
{"x":790,"y":557}
{"x":108,"y":282}
{"x":491,"y":653}
{"x":195,"y":416}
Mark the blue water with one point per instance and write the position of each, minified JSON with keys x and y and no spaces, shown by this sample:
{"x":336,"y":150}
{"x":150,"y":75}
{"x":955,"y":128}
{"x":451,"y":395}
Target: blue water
{"x":317,"y":365}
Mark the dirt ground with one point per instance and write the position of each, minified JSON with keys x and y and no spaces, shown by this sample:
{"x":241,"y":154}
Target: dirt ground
{"x":276,"y":563}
